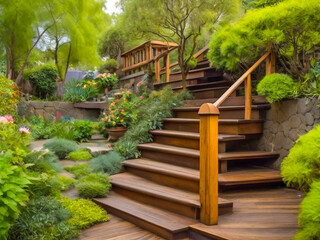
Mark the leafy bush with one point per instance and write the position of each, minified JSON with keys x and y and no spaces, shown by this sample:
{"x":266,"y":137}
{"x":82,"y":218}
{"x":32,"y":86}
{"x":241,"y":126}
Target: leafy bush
{"x":82,"y":130}
{"x":291,"y":26}
{"x":110,"y":163}
{"x":40,"y":128}
{"x":63,"y":130}
{"x":75,"y":92}
{"x":79,"y":170}
{"x":309,"y":217}
{"x":43,"y":162}
{"x":276,"y":87}
{"x":46,"y":184}
{"x":61,"y":147}
{"x":93,"y":185}
{"x":84,"y":213}
{"x":14,"y":194}
{"x":301,"y":167}
{"x":111,"y":64}
{"x":43,"y":78}
{"x":109,"y":81}
{"x":9,"y":97}
{"x":66,"y":182}
{"x":44,"y":218}
{"x":80,"y":155}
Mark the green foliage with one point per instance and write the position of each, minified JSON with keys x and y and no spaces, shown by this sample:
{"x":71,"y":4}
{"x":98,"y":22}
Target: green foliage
{"x":61,"y":147}
{"x":309,"y":217}
{"x":9,"y":97}
{"x":75,"y":92}
{"x":46,"y":184}
{"x":44,"y":218}
{"x":110,"y":64}
{"x":43,"y":79}
{"x":106,"y":80}
{"x":40,"y":128}
{"x":63,"y":130}
{"x":110,"y":163}
{"x":43,"y":162}
{"x":80,"y":155}
{"x":93,"y":185}
{"x":291,"y":26}
{"x":66,"y":182}
{"x":84,"y":213}
{"x":276,"y":87}
{"x":301,"y":167}
{"x":82,"y":130}
{"x":13,"y":193}
{"x":79,"y":170}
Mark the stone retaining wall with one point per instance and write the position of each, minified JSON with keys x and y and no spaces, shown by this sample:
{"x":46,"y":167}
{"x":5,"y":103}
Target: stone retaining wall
{"x":285,"y":122}
{"x":47,"y":109}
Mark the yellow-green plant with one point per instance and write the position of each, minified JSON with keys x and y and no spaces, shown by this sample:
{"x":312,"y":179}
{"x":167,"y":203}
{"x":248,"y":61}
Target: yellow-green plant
{"x":9,"y":96}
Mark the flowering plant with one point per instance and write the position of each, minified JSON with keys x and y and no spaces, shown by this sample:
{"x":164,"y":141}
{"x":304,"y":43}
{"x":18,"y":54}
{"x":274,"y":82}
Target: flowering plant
{"x":106,"y":80}
{"x":9,"y":95}
{"x":120,"y":112}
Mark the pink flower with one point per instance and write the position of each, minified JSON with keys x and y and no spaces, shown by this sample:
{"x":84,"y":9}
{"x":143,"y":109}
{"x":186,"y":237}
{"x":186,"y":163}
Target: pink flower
{"x":122,"y":111}
{"x":9,"y":118}
{"x":24,"y":130}
{"x":99,"y":76}
{"x":109,"y":146}
{"x":139,"y":83}
{"x":3,"y":120}
{"x":141,"y":97}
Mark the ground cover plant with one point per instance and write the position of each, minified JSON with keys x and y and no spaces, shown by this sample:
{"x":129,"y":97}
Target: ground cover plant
{"x":61,"y":147}
{"x":79,"y":170}
{"x":80,"y":155}
{"x":93,"y":185}
{"x":110,"y":163}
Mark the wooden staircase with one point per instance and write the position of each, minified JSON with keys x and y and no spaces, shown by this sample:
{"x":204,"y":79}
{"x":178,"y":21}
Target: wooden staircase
{"x":160,"y":190}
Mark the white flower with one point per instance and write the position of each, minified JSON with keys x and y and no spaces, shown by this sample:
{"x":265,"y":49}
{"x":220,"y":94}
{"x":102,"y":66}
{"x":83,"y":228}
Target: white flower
{"x":24,"y":130}
{"x":3,"y":120}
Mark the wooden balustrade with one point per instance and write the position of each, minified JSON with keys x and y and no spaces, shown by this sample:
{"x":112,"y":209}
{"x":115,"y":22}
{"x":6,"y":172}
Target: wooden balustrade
{"x":139,"y":57}
{"x":209,"y":114}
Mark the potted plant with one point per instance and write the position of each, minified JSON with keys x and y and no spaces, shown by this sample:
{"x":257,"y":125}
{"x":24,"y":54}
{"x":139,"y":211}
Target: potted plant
{"x":119,"y":115}
{"x":106,"y":82}
{"x":111,"y":66}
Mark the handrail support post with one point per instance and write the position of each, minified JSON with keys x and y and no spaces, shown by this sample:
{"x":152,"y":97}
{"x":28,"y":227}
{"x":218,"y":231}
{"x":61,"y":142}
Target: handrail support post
{"x":209,"y":165}
{"x":248,"y":97}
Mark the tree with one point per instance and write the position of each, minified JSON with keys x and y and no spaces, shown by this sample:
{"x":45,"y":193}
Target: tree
{"x":179,"y":21}
{"x":292,"y":27}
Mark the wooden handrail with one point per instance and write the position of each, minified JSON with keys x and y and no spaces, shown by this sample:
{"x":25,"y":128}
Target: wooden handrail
{"x":209,"y":154}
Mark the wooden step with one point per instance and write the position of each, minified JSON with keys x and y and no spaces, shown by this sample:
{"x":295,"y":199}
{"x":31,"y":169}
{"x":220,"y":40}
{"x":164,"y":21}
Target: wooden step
{"x":209,"y":84}
{"x":214,"y":92}
{"x":143,"y":190}
{"x":231,"y":101}
{"x":226,"y":126}
{"x":207,"y":72}
{"x":253,"y":176}
{"x":189,"y":139}
{"x":161,"y":222}
{"x":226,"y":112}
{"x":190,"y":157}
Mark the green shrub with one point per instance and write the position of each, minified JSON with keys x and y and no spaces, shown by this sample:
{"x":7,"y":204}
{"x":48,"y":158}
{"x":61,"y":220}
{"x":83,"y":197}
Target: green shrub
{"x":66,"y":182}
{"x":301,"y":167}
{"x":84,"y":213}
{"x":14,"y":194}
{"x":79,"y":170}
{"x":111,"y":64}
{"x":63,"y":130}
{"x":40,"y":128}
{"x":110,"y":163}
{"x":309,"y":217}
{"x":9,"y":97}
{"x":61,"y":147}
{"x":97,"y":177}
{"x":43,"y":218}
{"x":91,"y":190}
{"x":43,"y":162}
{"x":46,"y":184}
{"x":83,"y":130}
{"x":43,"y":78}
{"x":276,"y":87}
{"x":292,"y":27}
{"x":75,"y":92}
{"x":80,"y":155}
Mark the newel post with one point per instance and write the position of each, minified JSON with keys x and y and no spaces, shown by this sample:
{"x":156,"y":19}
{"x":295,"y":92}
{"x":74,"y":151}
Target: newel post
{"x":271,"y":62}
{"x":209,"y":115}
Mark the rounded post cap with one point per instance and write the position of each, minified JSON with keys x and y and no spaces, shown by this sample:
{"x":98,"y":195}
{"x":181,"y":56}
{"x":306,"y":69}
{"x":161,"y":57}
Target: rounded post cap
{"x":208,"y":109}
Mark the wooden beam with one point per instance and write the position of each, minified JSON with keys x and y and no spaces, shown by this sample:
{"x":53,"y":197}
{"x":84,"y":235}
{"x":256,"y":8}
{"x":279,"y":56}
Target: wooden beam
{"x":167,"y":61}
{"x":271,"y":63}
{"x":248,"y":97}
{"x":157,"y":70}
{"x":209,"y":163}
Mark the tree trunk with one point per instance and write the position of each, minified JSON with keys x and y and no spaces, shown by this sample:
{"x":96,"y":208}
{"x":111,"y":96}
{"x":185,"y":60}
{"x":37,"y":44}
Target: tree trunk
{"x":68,"y":62}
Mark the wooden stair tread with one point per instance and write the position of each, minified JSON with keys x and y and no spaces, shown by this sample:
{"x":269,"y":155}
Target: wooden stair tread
{"x":138,"y":184}
{"x":164,"y":168}
{"x":250,"y":176}
{"x":192,"y":135}
{"x":224,"y":121}
{"x":203,"y":85}
{"x":146,"y":213}
{"x":247,"y":155}
{"x":196,"y":70}
{"x":236,"y":107}
{"x":208,"y":89}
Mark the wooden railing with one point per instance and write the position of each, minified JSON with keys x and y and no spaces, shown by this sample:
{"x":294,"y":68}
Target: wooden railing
{"x":209,"y":162}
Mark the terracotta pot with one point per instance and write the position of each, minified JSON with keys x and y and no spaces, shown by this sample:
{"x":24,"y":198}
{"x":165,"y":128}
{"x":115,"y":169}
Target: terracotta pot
{"x":116,"y":132}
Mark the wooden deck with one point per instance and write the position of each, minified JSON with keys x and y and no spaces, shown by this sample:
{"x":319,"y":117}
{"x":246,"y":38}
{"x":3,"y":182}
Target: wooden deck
{"x":264,"y":214}
{"x":117,"y":229}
